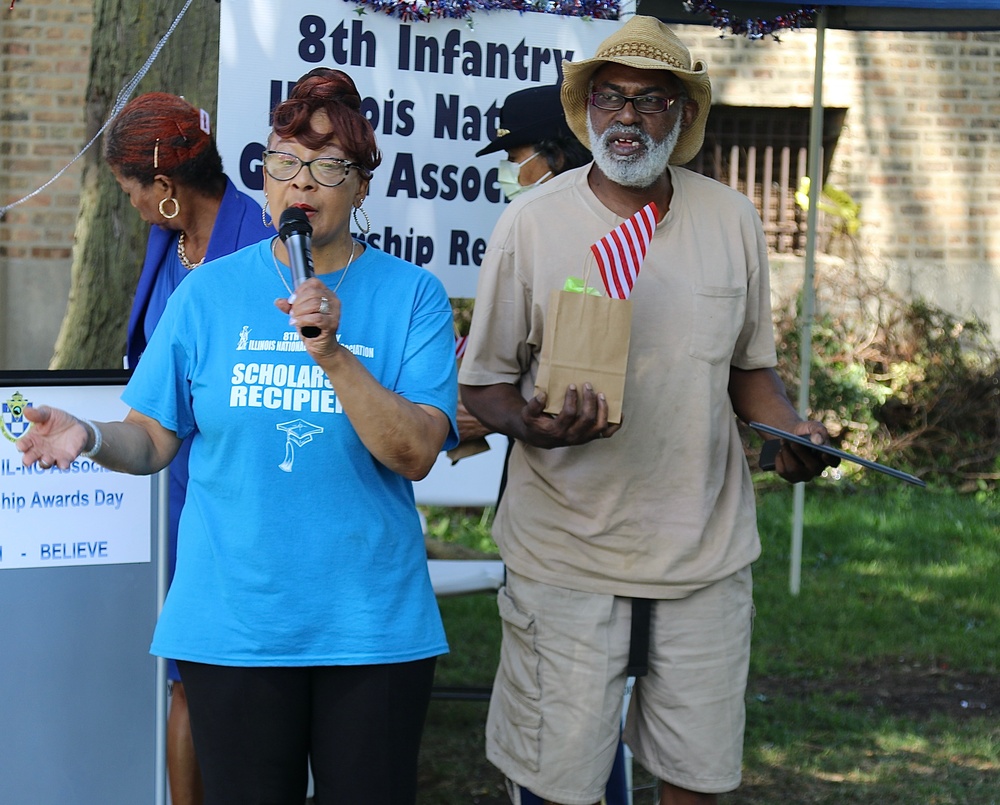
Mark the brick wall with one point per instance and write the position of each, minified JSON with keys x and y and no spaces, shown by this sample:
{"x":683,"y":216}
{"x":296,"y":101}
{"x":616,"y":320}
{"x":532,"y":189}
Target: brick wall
{"x":920,"y":149}
{"x":44,"y":61}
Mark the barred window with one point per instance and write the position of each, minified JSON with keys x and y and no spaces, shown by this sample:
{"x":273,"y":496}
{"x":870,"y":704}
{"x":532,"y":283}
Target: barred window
{"x":763,"y":152}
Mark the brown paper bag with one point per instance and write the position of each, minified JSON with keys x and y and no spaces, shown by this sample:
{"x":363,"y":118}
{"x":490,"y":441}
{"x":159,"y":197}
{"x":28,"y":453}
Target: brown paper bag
{"x":586,"y":341}
{"x":472,"y":447}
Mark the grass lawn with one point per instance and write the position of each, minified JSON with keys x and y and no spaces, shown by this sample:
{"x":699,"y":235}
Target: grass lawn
{"x":878,"y":683}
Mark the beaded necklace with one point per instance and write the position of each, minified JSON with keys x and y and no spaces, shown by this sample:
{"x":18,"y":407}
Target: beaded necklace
{"x":182,"y":255}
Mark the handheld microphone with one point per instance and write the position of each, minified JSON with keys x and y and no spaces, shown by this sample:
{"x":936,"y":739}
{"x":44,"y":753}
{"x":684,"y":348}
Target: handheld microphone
{"x":295,"y":232}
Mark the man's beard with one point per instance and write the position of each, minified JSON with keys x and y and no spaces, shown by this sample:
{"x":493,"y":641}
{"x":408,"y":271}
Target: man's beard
{"x":638,"y":170}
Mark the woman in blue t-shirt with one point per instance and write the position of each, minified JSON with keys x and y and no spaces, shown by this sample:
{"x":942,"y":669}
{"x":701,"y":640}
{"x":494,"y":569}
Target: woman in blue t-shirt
{"x":301,"y":613}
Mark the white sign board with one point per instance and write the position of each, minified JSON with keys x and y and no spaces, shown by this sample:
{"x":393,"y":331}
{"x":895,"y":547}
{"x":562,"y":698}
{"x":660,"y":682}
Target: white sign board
{"x":86,"y":515}
{"x":432,"y":91}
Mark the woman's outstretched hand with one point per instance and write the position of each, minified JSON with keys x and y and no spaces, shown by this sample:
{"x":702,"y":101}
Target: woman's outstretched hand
{"x":54,"y":439}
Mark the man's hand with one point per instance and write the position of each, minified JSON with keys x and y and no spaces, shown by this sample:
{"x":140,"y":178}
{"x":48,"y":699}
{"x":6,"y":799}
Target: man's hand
{"x":469,"y":427}
{"x":583,"y":418}
{"x":795,"y":462}
{"x":758,"y":395}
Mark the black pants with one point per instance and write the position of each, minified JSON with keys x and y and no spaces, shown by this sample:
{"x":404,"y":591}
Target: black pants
{"x":254,"y":729}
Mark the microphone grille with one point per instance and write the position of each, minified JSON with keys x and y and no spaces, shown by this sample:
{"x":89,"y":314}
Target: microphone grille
{"x":294,"y":221}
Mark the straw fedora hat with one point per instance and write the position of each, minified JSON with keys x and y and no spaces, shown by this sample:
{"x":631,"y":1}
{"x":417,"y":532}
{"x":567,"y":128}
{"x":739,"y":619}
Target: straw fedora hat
{"x":647,"y":44}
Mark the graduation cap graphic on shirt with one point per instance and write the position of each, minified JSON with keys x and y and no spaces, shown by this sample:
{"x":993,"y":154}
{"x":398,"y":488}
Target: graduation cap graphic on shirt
{"x":298,"y":432}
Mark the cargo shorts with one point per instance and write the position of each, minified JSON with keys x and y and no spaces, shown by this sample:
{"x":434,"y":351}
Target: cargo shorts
{"x":555,"y":714}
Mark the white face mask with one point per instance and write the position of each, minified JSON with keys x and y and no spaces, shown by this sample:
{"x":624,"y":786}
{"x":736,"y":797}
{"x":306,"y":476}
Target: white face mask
{"x":509,"y":173}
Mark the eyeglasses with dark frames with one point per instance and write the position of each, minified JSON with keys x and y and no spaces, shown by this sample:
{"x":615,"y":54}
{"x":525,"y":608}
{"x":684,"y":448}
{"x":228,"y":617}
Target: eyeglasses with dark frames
{"x":646,"y":104}
{"x":327,"y":171}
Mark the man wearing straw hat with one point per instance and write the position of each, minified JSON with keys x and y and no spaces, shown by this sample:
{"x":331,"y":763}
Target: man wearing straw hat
{"x":628,"y":546}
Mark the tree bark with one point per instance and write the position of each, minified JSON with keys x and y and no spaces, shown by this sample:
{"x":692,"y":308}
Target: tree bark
{"x":110,"y":238}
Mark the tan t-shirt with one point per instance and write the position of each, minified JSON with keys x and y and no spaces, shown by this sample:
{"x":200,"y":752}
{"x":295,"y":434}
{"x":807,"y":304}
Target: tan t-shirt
{"x":666,"y":505}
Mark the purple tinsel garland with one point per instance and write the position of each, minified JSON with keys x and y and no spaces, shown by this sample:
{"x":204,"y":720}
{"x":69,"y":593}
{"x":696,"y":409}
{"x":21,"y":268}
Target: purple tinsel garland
{"x":753,"y":27}
{"x":723,"y":19}
{"x":425,"y":10}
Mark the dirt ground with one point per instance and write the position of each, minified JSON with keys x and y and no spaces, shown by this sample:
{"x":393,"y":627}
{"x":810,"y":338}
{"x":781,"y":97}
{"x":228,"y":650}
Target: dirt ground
{"x":903,"y":690}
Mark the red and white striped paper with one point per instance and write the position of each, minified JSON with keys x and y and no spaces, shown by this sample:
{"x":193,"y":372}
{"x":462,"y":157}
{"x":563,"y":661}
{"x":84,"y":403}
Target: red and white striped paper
{"x":620,"y":253}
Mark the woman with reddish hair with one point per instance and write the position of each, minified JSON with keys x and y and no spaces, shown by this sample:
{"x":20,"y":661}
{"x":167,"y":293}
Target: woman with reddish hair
{"x":302,"y":614}
{"x":161,"y":151}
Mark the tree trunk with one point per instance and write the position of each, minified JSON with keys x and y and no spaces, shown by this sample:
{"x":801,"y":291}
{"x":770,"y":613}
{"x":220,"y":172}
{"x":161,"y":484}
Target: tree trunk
{"x":110,"y":237}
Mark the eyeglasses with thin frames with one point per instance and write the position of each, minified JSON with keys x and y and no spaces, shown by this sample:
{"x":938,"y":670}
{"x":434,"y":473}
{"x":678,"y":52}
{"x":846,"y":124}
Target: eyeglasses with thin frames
{"x":327,"y":171}
{"x":646,"y":104}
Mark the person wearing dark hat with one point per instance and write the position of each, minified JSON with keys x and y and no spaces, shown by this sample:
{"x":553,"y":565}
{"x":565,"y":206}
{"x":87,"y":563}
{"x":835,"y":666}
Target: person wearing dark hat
{"x":539,"y":145}
{"x":538,"y":142}
{"x":628,"y":546}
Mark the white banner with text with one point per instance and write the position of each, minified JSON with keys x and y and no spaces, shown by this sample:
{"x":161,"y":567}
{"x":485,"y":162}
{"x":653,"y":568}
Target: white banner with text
{"x":432,"y":91}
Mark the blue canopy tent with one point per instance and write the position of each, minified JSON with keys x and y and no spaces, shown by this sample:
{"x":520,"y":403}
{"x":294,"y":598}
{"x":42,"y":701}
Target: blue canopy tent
{"x":857,"y":15}
{"x":854,"y":15}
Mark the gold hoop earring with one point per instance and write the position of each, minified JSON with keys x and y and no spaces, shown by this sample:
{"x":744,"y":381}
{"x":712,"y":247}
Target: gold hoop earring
{"x":364,"y":230}
{"x":263,"y":214}
{"x":177,"y":207}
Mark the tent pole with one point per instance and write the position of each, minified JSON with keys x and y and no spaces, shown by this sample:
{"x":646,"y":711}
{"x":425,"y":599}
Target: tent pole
{"x":808,"y":289}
